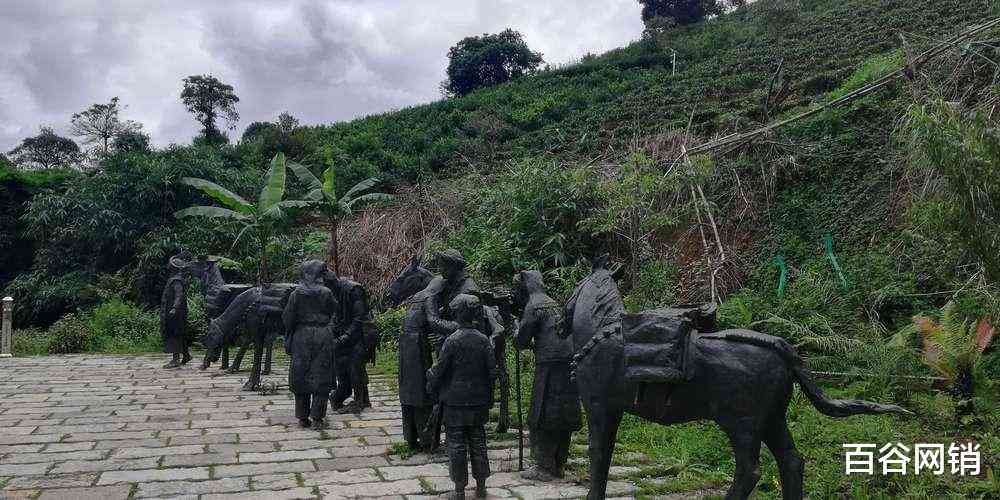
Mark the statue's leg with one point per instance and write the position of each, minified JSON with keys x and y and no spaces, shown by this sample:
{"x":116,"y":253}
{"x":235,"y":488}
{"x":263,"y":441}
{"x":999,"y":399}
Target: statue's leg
{"x":503,"y":422}
{"x":790,"y":463}
{"x":253,"y":383}
{"x":268,"y":350}
{"x":603,"y":425}
{"x":238,"y":359}
{"x":225,"y":357}
{"x":746,"y":449}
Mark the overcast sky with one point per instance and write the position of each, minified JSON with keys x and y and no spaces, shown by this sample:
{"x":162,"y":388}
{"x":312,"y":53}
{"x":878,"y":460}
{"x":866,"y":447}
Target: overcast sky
{"x":324,"y":61}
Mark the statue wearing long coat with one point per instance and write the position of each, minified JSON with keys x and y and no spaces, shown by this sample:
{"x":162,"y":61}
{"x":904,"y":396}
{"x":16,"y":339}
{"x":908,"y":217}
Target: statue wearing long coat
{"x":414,"y":361}
{"x":308,"y":319}
{"x":555,"y":400}
{"x":173,"y":315}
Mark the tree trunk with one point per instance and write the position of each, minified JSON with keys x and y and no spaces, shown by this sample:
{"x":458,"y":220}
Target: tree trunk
{"x":333,"y":253}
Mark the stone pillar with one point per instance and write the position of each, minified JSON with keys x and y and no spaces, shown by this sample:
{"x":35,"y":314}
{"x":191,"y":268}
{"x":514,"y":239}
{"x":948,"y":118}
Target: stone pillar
{"x":7,"y":334}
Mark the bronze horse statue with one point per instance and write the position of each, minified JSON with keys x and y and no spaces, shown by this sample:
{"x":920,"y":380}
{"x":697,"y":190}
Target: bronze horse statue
{"x":740,"y":379}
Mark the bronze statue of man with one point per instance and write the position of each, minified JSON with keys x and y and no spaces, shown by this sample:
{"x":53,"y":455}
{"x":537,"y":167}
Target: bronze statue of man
{"x":308,"y":319}
{"x":353,"y":347}
{"x":415,"y":359}
{"x":555,"y":401}
{"x":442,"y":290}
{"x":463,"y":379}
{"x":174,"y":312}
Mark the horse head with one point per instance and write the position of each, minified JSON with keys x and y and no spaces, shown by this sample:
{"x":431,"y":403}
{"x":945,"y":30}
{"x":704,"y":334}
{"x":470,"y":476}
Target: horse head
{"x":411,"y":280}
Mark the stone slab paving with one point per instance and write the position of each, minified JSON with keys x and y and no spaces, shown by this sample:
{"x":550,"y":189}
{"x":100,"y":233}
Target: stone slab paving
{"x":105,"y":427}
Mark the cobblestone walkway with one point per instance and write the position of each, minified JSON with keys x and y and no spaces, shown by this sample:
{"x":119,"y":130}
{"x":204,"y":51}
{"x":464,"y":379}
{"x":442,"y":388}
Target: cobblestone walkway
{"x":89,"y":427}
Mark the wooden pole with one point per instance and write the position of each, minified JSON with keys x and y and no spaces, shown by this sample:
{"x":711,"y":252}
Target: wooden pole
{"x":7,"y":334}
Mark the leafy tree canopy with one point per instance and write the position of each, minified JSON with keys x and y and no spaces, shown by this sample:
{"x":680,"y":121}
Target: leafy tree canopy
{"x":132,"y":141}
{"x":208,"y":98}
{"x":100,"y":125}
{"x":684,"y":11}
{"x":46,"y":150}
{"x":483,"y":61}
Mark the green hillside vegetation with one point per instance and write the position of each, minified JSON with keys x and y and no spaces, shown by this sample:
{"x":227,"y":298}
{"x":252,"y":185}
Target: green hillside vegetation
{"x":833,"y":231}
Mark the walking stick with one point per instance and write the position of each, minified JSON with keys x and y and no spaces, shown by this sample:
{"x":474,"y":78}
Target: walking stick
{"x":520,"y":418}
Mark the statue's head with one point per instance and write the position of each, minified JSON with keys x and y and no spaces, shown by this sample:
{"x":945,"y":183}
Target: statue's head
{"x":525,"y":284}
{"x":600,"y":262}
{"x":411,"y":280}
{"x":451,"y":262}
{"x":178,"y":264}
{"x":313,"y":272}
{"x":468,"y":310}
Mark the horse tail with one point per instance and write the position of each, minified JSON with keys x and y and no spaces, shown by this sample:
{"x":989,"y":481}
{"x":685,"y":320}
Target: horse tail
{"x":830,"y":407}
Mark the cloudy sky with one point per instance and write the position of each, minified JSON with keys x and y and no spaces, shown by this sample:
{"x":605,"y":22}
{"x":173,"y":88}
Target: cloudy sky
{"x":323,"y":61}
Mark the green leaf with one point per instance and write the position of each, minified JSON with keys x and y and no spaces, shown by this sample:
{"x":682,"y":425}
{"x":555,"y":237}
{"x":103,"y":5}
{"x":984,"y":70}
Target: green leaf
{"x":227,"y":263}
{"x":305,"y":175}
{"x":330,"y":183}
{"x":364,"y":185}
{"x":211,"y":212}
{"x":274,"y":184}
{"x":220,"y":194}
{"x":315,"y":195}
{"x":371,"y":198}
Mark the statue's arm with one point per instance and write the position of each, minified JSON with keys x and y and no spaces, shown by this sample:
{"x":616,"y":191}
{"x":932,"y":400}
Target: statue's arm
{"x":527,"y":328}
{"x":437,"y":372}
{"x":178,"y":296}
{"x":442,"y":327}
{"x":288,"y":321}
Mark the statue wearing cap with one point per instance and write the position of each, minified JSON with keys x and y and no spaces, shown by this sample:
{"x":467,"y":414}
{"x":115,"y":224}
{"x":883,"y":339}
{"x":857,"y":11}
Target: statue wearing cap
{"x":173,"y":311}
{"x":443,"y":290}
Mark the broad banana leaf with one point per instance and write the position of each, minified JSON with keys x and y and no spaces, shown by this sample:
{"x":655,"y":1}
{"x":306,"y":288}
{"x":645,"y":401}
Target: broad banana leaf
{"x":306,"y":176}
{"x":220,"y":194}
{"x":330,"y":184}
{"x":370,"y":198}
{"x":364,"y":185}
{"x":211,"y":212}
{"x":277,"y":211}
{"x":274,"y":185}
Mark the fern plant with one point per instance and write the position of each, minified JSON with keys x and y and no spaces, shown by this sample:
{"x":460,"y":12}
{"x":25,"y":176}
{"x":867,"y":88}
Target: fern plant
{"x":953,"y":347}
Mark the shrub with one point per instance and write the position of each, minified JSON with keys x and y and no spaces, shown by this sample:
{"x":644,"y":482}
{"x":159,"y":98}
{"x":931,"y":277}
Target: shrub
{"x":30,"y":342}
{"x":69,"y":335}
{"x":119,"y":326}
{"x":42,"y":298}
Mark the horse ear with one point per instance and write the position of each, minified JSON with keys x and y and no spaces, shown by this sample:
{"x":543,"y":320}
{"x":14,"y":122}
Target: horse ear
{"x":415,"y":260}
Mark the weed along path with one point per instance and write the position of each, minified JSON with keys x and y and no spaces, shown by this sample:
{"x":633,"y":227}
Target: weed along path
{"x":98,"y":426}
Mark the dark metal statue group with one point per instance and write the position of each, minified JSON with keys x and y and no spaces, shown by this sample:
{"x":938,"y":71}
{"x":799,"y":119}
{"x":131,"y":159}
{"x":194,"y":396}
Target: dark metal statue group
{"x":325,"y":320}
{"x":666,"y":365}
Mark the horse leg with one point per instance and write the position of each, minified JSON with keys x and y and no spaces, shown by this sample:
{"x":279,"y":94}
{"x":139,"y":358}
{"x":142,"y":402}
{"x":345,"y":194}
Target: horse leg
{"x":790,"y":463}
{"x":746,"y":448}
{"x":225,"y":358}
{"x":238,"y":359}
{"x":603,"y":427}
{"x":253,"y":383}
{"x":268,"y":351}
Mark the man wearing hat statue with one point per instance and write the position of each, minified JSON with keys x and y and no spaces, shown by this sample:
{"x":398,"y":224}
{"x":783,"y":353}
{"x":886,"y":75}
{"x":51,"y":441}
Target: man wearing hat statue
{"x":442,"y":290}
{"x":173,"y":312}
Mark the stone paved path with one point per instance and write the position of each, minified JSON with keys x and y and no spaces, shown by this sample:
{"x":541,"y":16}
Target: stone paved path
{"x":89,"y":426}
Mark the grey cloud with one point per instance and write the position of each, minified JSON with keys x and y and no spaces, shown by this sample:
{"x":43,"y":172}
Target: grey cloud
{"x":323,"y":61}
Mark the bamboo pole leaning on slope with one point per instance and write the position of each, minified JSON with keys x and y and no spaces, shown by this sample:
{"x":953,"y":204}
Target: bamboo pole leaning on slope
{"x":730,"y":142}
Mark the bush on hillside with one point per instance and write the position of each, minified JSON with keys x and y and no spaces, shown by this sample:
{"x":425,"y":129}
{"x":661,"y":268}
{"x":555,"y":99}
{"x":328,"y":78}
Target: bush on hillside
{"x":70,"y":334}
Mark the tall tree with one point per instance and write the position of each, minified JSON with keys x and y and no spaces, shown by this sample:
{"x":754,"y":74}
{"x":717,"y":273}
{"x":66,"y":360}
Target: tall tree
{"x":482,"y":61}
{"x":684,"y":11}
{"x":100,"y":124}
{"x":46,"y":150}
{"x":131,"y":141}
{"x":336,"y":209}
{"x":208,"y":98}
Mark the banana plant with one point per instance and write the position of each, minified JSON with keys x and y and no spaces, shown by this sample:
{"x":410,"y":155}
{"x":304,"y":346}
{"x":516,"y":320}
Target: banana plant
{"x":324,"y":195}
{"x":260,"y":220}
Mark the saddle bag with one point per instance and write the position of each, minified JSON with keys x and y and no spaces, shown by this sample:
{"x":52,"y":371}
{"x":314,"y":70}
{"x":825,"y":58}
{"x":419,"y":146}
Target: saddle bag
{"x":657,"y":342}
{"x":655,"y":346}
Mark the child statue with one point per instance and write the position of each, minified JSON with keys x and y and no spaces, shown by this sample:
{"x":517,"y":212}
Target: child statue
{"x":174,"y":312}
{"x":463,"y":379}
{"x":308,"y":322}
